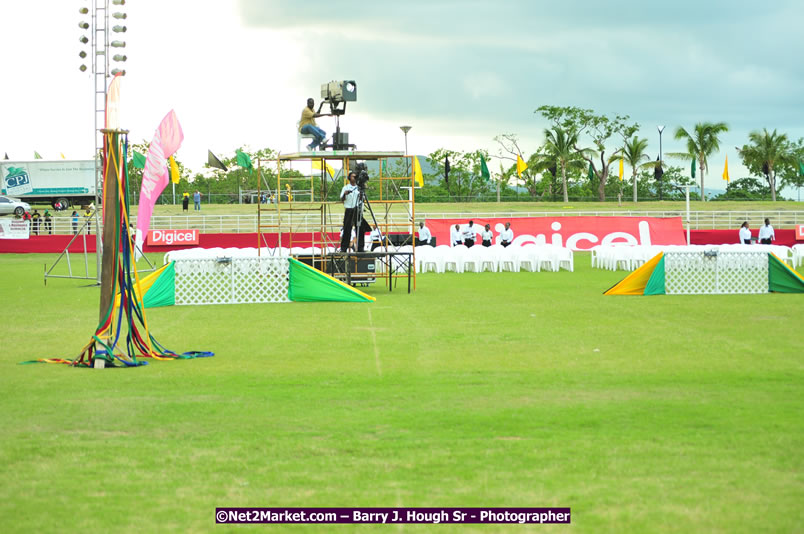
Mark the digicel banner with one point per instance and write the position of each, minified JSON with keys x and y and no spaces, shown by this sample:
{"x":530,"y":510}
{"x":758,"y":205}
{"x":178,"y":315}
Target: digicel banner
{"x":576,"y":233}
{"x":172,"y":237}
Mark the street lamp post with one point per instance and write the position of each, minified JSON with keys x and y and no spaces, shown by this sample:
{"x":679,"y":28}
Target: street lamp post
{"x":406,"y":129}
{"x":661,"y":129}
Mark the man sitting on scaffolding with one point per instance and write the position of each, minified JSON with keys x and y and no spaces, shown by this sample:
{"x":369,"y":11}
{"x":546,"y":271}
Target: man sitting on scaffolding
{"x":307,"y":126}
{"x":350,"y":195}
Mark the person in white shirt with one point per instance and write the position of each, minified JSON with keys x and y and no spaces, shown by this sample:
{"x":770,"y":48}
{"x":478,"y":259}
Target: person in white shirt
{"x":468,"y":234}
{"x":376,"y":238}
{"x":455,"y":235}
{"x":507,"y":235}
{"x":349,"y":197}
{"x":487,"y":235}
{"x":745,"y":234}
{"x":424,"y":235}
{"x":766,"y":235}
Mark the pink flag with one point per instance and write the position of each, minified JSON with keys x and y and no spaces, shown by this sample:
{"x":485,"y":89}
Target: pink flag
{"x":167,"y":140}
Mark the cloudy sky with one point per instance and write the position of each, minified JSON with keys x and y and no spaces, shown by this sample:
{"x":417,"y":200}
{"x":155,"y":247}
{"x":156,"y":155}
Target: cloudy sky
{"x":460,"y":72}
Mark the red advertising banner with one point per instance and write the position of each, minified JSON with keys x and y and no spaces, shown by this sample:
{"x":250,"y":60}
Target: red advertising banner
{"x":576,"y":233}
{"x":165,"y":238}
{"x":800,"y":232}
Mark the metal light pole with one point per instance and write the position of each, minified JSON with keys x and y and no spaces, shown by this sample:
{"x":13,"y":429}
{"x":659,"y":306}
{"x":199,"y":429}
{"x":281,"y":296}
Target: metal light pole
{"x":406,"y":129}
{"x":100,"y":50}
{"x":661,"y":129}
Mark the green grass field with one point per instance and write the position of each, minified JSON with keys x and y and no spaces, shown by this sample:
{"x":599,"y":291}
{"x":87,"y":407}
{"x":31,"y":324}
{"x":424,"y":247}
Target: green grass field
{"x":642,"y":414}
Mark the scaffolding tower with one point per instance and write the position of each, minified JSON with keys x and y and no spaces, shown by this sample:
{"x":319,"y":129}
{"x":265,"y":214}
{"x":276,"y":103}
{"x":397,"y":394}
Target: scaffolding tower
{"x":305,"y":210}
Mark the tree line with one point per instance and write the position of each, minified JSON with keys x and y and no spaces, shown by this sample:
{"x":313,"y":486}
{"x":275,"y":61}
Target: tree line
{"x":580,"y":157}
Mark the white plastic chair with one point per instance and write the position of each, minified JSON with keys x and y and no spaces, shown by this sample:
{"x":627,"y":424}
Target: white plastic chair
{"x":509,"y":259}
{"x":528,"y":258}
{"x":453,"y":261}
{"x":300,"y":136}
{"x":473,"y":259}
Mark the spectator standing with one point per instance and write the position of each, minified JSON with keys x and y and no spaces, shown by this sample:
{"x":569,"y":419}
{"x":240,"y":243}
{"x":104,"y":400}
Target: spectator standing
{"x":48,"y":222}
{"x":745,"y":234}
{"x":424,"y":235}
{"x":469,"y":235}
{"x":455,"y":236}
{"x":87,"y":217}
{"x":507,"y":235}
{"x":487,"y":235}
{"x":766,"y":234}
{"x":197,"y":200}
{"x":185,"y":201}
{"x":36,"y":220}
{"x":74,"y":217}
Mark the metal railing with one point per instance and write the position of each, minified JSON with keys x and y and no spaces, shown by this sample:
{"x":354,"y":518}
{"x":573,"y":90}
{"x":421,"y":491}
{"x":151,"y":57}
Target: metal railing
{"x":307,"y":222}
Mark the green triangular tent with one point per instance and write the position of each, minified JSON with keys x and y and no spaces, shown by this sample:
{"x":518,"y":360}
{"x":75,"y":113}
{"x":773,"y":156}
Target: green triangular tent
{"x":781,"y":278}
{"x":163,"y":291}
{"x":311,"y":285}
{"x":655,"y":284}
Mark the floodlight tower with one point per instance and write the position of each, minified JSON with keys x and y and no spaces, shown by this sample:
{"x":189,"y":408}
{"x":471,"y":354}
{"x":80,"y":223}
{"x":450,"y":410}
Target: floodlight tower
{"x":99,"y":45}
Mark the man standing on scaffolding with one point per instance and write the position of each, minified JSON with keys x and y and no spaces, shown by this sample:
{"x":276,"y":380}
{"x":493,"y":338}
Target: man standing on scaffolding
{"x":350,"y":195}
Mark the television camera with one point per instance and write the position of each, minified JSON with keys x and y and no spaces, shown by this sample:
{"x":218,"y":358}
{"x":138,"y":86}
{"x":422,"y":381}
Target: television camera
{"x":335,"y":94}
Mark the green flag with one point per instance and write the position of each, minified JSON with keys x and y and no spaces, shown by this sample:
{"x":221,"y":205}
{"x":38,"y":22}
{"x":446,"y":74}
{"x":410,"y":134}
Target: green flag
{"x":243,"y":160}
{"x":484,"y":169}
{"x":692,"y":168}
{"x":591,"y":174}
{"x":36,"y":155}
{"x":384,"y":168}
{"x":800,"y":167}
{"x":139,"y":160}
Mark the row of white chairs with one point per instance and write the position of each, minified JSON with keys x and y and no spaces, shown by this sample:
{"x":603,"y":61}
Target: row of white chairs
{"x":630,"y":257}
{"x":496,"y":258}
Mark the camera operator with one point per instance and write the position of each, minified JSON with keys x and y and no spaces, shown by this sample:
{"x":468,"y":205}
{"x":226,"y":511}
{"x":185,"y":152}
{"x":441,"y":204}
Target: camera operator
{"x":350,"y":194}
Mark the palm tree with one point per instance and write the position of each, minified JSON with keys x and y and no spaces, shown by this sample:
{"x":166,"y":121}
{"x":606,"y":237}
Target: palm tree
{"x":766,"y":153}
{"x":560,"y":144}
{"x":701,"y":143}
{"x":633,"y":152}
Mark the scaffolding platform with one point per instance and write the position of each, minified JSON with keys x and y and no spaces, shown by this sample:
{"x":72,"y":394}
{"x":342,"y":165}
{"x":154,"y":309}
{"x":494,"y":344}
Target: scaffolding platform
{"x":305,"y":189}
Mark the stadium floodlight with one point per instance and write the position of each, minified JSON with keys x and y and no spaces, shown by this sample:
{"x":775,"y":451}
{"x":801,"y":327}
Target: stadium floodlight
{"x":120,"y":16}
{"x":82,"y":68}
{"x":83,"y":25}
{"x":118,"y":44}
{"x":119,"y":2}
{"x":82,"y":54}
{"x":119,"y":57}
{"x":119,"y":29}
{"x":83,"y":10}
{"x":83,"y":39}
{"x":115,"y":72}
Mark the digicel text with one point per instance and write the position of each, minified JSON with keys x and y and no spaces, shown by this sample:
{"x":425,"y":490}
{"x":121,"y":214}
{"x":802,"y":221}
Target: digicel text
{"x":172,"y":237}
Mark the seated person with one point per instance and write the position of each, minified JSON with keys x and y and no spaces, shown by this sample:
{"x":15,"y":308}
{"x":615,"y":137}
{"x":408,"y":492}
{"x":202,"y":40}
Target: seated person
{"x":455,"y":236}
{"x":425,"y":237}
{"x":469,"y":235}
{"x":487,"y":236}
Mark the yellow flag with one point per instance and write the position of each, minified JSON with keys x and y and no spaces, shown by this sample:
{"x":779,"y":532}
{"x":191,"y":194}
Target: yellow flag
{"x":318,"y":163}
{"x":174,"y":171}
{"x":417,"y":172}
{"x":621,"y":169}
{"x":726,"y":169}
{"x":520,"y":165}
{"x":62,"y":155}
